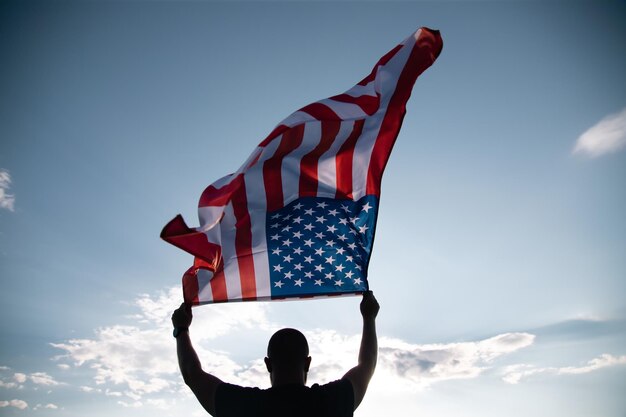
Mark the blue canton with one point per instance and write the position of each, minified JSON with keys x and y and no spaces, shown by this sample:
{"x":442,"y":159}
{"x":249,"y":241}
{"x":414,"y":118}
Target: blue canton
{"x":320,"y":246}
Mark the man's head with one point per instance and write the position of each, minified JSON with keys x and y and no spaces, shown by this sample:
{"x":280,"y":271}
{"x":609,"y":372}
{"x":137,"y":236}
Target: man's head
{"x":288,"y":356}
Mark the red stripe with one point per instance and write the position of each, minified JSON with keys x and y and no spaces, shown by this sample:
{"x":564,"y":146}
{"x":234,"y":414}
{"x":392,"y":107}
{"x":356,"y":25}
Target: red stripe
{"x":215,"y":197}
{"x":243,"y":244}
{"x":368,"y":104}
{"x":190,"y":286}
{"x":278,"y":130}
{"x":320,"y":111}
{"x":423,"y":54}
{"x":272,"y":177}
{"x":218,"y":287}
{"x":178,"y":234}
{"x":309,"y":162}
{"x":381,"y":61}
{"x":343,"y":161}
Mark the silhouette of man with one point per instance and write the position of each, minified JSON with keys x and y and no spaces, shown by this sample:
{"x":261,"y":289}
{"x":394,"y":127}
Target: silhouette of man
{"x":288,"y":363}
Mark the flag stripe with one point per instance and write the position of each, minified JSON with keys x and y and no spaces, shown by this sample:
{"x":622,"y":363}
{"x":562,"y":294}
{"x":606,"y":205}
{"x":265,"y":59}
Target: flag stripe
{"x":320,"y":112}
{"x":343,"y":162}
{"x":382,"y":61}
{"x":243,"y":244}
{"x":289,"y":141}
{"x":308,"y":163}
{"x":368,"y":104}
{"x":327,"y":165}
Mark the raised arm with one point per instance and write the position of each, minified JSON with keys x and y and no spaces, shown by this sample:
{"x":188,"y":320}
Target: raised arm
{"x":361,"y":374}
{"x":201,"y":383}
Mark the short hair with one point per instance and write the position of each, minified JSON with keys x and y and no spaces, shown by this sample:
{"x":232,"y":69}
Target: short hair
{"x":287,"y":346}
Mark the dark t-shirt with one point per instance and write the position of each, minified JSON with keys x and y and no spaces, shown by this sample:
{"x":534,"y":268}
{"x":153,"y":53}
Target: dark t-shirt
{"x":335,"y":399}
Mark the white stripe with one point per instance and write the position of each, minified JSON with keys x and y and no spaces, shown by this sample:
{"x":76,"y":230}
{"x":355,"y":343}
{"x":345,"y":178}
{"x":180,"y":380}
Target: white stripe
{"x":290,"y":169}
{"x":362,"y":90}
{"x":205,"y":295}
{"x":327,"y":166}
{"x":363,"y":152}
{"x":229,"y":253}
{"x":345,"y":111}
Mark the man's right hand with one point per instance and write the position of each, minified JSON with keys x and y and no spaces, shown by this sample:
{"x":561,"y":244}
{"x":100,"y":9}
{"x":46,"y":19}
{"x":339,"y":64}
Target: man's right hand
{"x":182,"y":316}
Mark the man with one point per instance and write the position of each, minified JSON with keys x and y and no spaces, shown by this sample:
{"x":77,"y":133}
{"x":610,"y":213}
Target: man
{"x":288,"y":363}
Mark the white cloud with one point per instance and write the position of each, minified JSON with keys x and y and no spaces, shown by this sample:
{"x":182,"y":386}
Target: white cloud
{"x":42,"y":378}
{"x":142,"y":358}
{"x":515,"y":373}
{"x":14,"y":403}
{"x":48,"y":406}
{"x":606,"y":136}
{"x":7,"y":201}
{"x":19,"y":377}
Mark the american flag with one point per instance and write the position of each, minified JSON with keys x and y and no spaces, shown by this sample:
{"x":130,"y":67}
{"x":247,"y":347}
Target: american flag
{"x":298,"y":218}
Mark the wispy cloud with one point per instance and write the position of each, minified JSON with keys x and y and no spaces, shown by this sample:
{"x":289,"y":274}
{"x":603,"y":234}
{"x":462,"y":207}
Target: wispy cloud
{"x":608,"y":135}
{"x":7,"y":201}
{"x":139,"y":360}
{"x":513,"y":374}
{"x":14,"y":403}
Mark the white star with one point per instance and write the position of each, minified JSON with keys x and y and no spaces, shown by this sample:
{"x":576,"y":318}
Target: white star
{"x":275,"y":225}
{"x":345,"y":208}
{"x":357,"y":266}
{"x":297,"y":234}
{"x":297,"y":220}
{"x":319,"y":282}
{"x":357,"y":281}
{"x":329,"y":275}
{"x":308,"y":227}
{"x":319,"y":268}
{"x":342,"y":237}
{"x":288,"y":275}
{"x":349,"y":274}
{"x":330,"y":260}
{"x":298,"y":267}
{"x":340,"y":267}
{"x":339,"y":283}
{"x":319,"y":235}
{"x":330,"y":243}
{"x":277,"y":268}
{"x":278,"y":284}
{"x":308,"y":212}
{"x":297,"y":251}
{"x":320,"y":219}
{"x":298,"y":282}
{"x":340,"y":251}
{"x":333,"y":212}
{"x":298,"y":206}
{"x":286,"y":228}
{"x":331,"y":228}
{"x":349,"y":258}
{"x":275,"y":237}
{"x":308,"y":242}
{"x":366,"y":207}
{"x":287,"y":242}
{"x":322,"y":205}
{"x":353,"y":231}
{"x":343,"y":221}
{"x":287,"y":258}
{"x":276,"y":251}
{"x":354,"y":220}
{"x":308,"y":274}
{"x":319,"y":251}
{"x":275,"y":216}
{"x":352,"y":246}
{"x":287,"y":217}
{"x":363,"y":228}
{"x":308,"y":259}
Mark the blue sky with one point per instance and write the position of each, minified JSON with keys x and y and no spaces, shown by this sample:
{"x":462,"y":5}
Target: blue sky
{"x":499,"y":259}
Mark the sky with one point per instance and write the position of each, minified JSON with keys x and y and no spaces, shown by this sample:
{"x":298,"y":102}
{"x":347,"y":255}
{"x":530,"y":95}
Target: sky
{"x":500,"y":252}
